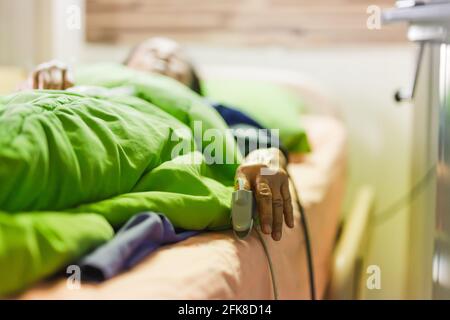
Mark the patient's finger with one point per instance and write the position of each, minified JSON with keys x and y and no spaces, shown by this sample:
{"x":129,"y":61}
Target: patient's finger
{"x":53,"y":79}
{"x":35,"y":79}
{"x":66,"y":79}
{"x":264,"y":202}
{"x":277,"y":212}
{"x":241,"y":178}
{"x":48,"y":83}
{"x":56,"y":78}
{"x":42,"y":82}
{"x":51,"y":83}
{"x":287,"y":204}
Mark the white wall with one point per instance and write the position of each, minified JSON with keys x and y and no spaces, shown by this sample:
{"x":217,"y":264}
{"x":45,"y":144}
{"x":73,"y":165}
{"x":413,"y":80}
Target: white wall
{"x":33,"y":31}
{"x":16,"y":26}
{"x":69,"y":30}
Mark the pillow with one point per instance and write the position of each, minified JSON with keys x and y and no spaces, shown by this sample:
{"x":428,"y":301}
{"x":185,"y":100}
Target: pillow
{"x":273,"y":106}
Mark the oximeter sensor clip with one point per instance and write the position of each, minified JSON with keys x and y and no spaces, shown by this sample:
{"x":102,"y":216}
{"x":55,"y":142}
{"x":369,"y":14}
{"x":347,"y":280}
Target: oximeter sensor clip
{"x":242,"y":210}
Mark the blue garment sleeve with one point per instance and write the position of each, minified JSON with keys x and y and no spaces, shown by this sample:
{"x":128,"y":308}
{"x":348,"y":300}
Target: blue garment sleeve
{"x":140,"y":236}
{"x":236,"y":119}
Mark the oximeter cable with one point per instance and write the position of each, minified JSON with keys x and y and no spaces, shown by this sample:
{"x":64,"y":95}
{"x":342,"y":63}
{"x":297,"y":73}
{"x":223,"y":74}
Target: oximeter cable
{"x":309,"y":258}
{"x":308,"y":250}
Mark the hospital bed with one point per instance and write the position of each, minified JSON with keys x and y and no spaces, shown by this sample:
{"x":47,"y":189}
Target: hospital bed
{"x":215,"y":265}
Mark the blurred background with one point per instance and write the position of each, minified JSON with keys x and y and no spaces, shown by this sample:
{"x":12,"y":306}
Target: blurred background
{"x":326,"y":42}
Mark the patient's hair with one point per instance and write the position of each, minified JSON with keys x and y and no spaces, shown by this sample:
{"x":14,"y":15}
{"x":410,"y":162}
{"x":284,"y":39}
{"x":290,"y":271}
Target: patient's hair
{"x":195,"y":84}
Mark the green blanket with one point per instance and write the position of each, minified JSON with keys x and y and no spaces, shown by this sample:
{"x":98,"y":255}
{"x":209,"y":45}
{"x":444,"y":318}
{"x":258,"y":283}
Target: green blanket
{"x":74,"y":167}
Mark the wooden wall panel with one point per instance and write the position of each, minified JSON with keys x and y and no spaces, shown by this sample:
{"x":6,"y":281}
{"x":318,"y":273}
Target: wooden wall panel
{"x":238,"y":22}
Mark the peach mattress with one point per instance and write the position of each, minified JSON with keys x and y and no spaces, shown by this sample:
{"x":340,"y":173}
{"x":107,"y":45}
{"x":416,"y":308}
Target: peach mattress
{"x":215,"y":265}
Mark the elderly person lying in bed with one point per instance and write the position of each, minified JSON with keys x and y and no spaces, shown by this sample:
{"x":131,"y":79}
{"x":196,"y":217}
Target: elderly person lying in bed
{"x":77,"y":164}
{"x":165,"y":57}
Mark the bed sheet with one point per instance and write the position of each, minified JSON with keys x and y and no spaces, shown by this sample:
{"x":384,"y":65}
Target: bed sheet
{"x":215,"y":265}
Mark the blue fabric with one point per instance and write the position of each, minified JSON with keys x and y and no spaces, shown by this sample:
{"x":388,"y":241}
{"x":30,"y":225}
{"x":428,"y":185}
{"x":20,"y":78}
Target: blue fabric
{"x":140,"y":236}
{"x":234,"y":117}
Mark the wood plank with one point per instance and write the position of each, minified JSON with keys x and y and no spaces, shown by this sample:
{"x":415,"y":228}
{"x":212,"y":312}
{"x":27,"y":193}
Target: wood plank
{"x":241,"y":22}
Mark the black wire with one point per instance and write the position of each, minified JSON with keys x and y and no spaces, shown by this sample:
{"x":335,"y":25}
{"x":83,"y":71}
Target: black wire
{"x":312,"y":286}
{"x":304,"y":223}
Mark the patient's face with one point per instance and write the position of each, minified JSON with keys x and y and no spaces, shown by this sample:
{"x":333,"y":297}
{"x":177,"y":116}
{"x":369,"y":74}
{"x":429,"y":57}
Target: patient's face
{"x":163,"y":56}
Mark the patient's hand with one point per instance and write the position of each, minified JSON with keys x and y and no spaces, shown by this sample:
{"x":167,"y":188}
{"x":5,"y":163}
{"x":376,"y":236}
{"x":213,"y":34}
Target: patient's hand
{"x":264,"y":172}
{"x":50,"y":75}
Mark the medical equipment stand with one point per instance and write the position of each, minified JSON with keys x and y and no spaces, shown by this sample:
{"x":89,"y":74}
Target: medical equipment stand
{"x":429,"y":256}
